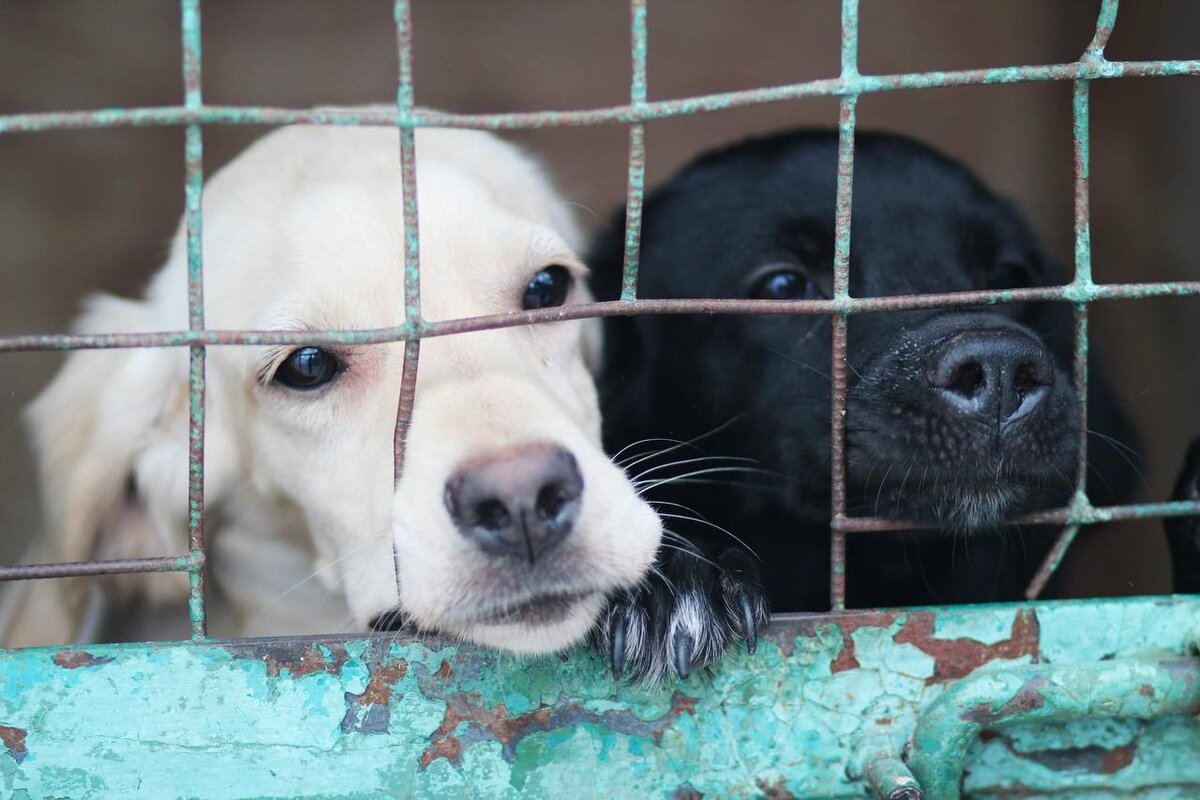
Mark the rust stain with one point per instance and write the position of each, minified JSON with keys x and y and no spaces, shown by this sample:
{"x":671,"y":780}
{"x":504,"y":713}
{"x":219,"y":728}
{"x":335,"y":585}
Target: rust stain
{"x":370,"y":711}
{"x":13,"y":740}
{"x":686,"y":791}
{"x":309,"y":660}
{"x":77,"y":659}
{"x":383,"y":678}
{"x":1093,"y":759}
{"x":957,"y":658}
{"x":444,"y":672}
{"x":468,"y":721}
{"x":847,"y":659}
{"x":1028,"y":698}
{"x":773,"y":790}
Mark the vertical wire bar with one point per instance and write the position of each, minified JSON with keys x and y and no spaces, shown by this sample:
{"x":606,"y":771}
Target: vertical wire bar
{"x":637,"y":152}
{"x":1080,"y":113}
{"x":841,"y":292}
{"x":193,"y":200}
{"x":1106,"y":20}
{"x":1051,"y":562}
{"x":1080,"y":122}
{"x":405,"y":100}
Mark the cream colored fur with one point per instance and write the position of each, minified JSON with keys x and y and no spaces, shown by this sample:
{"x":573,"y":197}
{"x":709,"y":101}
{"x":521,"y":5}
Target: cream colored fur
{"x":304,"y":230}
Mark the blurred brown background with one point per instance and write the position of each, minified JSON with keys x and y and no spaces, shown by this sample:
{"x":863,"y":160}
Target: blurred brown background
{"x":82,"y":211}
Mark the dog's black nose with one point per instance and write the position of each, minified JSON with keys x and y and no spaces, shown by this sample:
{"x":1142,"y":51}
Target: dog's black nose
{"x":992,"y":374}
{"x":519,"y":502}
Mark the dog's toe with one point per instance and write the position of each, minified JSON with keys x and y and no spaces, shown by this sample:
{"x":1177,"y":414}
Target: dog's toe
{"x":744,"y":596}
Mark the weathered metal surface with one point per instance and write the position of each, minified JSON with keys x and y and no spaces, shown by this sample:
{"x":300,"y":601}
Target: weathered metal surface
{"x":193,"y":163}
{"x":824,"y":702}
{"x":1128,"y":689}
{"x":636,"y":182}
{"x":1069,"y":293}
{"x":120,"y":566}
{"x":611,"y":115}
{"x":847,"y":119}
{"x":413,"y":318}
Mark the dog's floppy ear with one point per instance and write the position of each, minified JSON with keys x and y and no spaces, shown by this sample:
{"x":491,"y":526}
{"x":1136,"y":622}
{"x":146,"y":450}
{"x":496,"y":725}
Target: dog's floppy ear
{"x":110,"y":436}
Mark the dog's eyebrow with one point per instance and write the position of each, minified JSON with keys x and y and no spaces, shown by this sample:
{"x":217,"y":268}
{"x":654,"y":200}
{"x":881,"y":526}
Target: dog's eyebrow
{"x":547,"y":248}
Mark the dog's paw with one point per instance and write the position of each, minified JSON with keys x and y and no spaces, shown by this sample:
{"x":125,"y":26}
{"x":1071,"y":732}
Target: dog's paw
{"x":684,"y":616}
{"x":1183,"y":533}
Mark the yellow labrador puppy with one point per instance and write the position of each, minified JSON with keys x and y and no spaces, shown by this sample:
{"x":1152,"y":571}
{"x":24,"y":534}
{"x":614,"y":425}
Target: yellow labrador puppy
{"x":509,"y":526}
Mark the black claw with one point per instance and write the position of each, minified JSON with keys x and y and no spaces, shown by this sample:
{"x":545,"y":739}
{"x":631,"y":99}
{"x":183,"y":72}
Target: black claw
{"x":683,"y":653}
{"x":749,"y":626}
{"x":617,"y":630}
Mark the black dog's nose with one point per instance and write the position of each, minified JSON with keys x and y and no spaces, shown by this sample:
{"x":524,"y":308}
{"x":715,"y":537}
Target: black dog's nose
{"x":995,"y":374}
{"x":519,"y":502}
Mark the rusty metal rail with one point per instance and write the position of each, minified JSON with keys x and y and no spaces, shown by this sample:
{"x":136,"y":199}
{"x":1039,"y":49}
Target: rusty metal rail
{"x":194,"y":114}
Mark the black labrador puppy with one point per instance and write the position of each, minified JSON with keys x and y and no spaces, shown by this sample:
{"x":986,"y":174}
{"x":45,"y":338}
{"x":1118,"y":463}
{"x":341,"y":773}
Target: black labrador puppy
{"x":958,"y":420}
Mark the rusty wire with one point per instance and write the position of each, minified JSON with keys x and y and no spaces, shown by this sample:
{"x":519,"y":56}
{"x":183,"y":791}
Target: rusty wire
{"x":194,"y":114}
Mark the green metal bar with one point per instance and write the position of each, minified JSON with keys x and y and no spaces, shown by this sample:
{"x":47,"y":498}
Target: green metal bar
{"x":413,"y":320}
{"x":124,"y":566}
{"x":993,"y":700}
{"x":405,"y":100}
{"x":890,"y":779}
{"x":1080,"y":127}
{"x":635,"y":192}
{"x":1106,"y":20}
{"x":613,"y":115}
{"x":841,"y":294}
{"x":1052,"y":561}
{"x":192,"y":215}
{"x":399,"y":333}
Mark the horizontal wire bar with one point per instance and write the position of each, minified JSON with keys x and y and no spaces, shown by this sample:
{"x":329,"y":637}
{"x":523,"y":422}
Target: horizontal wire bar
{"x":72,"y":569}
{"x":610,"y":308}
{"x":383,"y":116}
{"x":1061,"y":516}
{"x":1073,"y":515}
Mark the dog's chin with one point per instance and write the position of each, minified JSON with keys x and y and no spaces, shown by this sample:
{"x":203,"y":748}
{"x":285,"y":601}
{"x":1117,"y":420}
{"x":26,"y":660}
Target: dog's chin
{"x":539,"y":625}
{"x":960,"y":507}
{"x":967,"y":509}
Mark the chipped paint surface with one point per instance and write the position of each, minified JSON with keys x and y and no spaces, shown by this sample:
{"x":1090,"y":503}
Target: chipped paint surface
{"x":827,"y":700}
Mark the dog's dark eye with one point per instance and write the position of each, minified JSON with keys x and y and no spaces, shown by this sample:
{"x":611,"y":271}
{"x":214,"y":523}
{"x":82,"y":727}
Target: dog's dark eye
{"x":547,"y":289}
{"x":307,"y":368}
{"x":783,"y":284}
{"x":1012,"y":274}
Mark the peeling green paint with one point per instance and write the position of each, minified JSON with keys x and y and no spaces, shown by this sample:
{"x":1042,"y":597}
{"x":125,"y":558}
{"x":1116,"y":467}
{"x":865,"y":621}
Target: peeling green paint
{"x":810,"y":715}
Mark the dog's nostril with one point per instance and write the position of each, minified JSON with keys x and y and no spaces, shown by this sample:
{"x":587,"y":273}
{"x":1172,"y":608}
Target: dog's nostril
{"x":493,"y":515}
{"x":550,"y":501}
{"x":967,"y":379}
{"x":1026,"y":380}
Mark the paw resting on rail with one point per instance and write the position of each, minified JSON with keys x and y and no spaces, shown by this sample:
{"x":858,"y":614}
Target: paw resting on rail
{"x":685,"y":615}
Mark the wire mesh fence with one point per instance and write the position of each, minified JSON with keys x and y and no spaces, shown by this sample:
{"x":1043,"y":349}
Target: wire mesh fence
{"x":194,"y":114}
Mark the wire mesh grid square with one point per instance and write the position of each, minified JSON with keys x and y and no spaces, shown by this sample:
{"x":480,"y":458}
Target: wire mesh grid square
{"x":849,"y":86}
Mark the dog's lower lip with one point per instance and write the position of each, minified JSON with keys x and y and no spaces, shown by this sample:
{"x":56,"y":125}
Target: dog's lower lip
{"x":537,"y":610}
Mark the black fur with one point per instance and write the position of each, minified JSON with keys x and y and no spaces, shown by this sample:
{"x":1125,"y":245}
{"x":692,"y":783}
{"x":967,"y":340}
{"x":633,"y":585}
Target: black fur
{"x":758,"y":386}
{"x":1183,"y":533}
